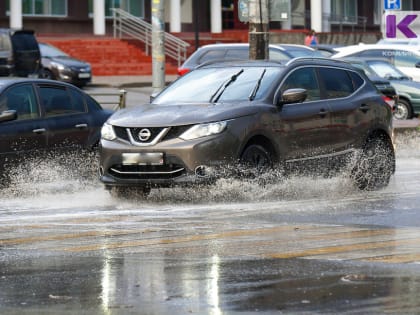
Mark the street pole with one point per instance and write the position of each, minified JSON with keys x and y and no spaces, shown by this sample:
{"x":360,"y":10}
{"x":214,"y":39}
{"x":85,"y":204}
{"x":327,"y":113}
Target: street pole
{"x":158,"y":45}
{"x":258,"y":29}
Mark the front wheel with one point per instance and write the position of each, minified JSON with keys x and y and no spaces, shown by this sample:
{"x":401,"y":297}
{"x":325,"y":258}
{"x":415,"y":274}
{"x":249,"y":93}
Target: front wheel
{"x":403,"y":110}
{"x":375,"y":165}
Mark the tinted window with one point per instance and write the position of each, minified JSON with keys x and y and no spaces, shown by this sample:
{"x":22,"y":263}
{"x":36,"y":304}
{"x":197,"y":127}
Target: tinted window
{"x":211,"y":55}
{"x":337,"y":82}
{"x":374,"y":53}
{"x":277,"y":55}
{"x":242,"y":54}
{"x":22,"y":99}
{"x":59,"y":101}
{"x":304,"y":78}
{"x":357,"y":80}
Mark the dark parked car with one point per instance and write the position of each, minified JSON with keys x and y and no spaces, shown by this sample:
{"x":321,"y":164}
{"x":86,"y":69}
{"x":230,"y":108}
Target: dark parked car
{"x":261,"y":115}
{"x":57,"y":65}
{"x":19,"y":53}
{"x":408,"y":90}
{"x":38,"y":115}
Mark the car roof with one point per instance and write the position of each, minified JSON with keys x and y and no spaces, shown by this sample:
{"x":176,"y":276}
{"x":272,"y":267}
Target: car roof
{"x":361,"y":47}
{"x":5,"y":82}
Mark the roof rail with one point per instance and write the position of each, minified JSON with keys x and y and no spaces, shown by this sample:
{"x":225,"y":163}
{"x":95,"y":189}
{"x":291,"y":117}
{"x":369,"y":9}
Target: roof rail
{"x":313,"y":59}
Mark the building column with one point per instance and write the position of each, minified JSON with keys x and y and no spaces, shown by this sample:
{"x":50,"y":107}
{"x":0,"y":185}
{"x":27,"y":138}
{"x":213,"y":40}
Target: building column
{"x":216,"y":16}
{"x":326,"y":25}
{"x":175,"y":17}
{"x":15,"y":14}
{"x":316,"y":15}
{"x":99,"y":17}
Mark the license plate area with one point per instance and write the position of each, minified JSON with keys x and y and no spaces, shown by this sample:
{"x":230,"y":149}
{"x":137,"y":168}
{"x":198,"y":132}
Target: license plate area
{"x":84,"y":75}
{"x":149,"y":158}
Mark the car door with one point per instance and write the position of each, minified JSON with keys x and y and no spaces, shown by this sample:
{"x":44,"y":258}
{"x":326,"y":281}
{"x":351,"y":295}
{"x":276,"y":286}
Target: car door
{"x":26,"y":134}
{"x":305,"y":125}
{"x":65,"y":114}
{"x":351,"y":112}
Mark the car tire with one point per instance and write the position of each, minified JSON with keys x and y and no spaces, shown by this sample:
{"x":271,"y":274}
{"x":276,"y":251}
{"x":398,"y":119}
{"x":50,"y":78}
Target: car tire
{"x":403,"y":110}
{"x":46,"y":74}
{"x":255,"y":160}
{"x":123,"y":192}
{"x":375,"y":165}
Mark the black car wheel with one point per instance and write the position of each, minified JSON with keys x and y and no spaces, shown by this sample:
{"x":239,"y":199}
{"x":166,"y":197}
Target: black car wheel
{"x":46,"y":74}
{"x":255,"y":160}
{"x":403,"y":110}
{"x":375,"y":165}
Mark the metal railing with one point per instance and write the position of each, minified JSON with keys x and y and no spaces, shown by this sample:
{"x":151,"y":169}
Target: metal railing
{"x":127,"y":24}
{"x":118,"y":99}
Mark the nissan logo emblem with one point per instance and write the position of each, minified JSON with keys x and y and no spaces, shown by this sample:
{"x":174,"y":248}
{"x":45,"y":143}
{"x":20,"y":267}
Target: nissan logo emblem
{"x":144,"y":134}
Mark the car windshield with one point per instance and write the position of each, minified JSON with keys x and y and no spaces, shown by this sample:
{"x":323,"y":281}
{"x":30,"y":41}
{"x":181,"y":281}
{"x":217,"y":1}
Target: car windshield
{"x":50,"y":51}
{"x":386,"y":70}
{"x":219,"y":85}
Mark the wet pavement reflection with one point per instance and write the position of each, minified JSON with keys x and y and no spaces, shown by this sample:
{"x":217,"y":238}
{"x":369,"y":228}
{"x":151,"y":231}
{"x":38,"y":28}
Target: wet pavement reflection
{"x":305,"y":245}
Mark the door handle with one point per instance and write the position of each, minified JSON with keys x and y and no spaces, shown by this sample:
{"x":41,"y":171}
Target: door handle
{"x":322,"y":112}
{"x":364,"y":108}
{"x":39,"y":131}
{"x":81,"y":126}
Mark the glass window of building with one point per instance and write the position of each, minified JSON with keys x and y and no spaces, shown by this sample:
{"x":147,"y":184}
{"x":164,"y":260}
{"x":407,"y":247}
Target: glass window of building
{"x":134,"y":7}
{"x":44,"y":7}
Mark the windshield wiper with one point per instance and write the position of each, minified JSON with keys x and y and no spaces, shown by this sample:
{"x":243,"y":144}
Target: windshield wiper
{"x":215,"y":97}
{"x":257,"y":86}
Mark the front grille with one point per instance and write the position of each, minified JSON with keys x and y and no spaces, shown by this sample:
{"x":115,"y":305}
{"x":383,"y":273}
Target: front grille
{"x":121,"y":133}
{"x":154,"y":132}
{"x":146,"y":172}
{"x":174,"y":132}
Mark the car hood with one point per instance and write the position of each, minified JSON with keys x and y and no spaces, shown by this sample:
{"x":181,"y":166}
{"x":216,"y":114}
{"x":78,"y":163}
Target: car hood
{"x":69,"y":61}
{"x":151,"y":115}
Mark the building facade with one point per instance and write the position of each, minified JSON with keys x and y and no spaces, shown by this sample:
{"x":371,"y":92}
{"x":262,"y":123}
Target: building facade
{"x":215,"y":16}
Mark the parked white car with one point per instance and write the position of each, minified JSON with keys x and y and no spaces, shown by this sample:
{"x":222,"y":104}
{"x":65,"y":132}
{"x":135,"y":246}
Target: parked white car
{"x":405,"y":57}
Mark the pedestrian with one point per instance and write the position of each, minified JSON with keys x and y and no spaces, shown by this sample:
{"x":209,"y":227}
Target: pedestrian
{"x":311,"y":39}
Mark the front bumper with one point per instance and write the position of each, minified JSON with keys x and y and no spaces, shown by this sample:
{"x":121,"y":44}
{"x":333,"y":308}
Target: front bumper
{"x":192,"y":162}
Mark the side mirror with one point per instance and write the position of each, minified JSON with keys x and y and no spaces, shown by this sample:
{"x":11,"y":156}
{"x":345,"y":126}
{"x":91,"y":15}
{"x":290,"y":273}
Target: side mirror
{"x":417,"y":65}
{"x":8,"y":115}
{"x":293,"y":96}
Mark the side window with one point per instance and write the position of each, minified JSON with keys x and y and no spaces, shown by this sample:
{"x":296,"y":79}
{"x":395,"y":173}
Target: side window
{"x":59,"y":101}
{"x":304,"y":78}
{"x":22,"y":99}
{"x":337,"y":82}
{"x":277,"y":55}
{"x":212,"y":55}
{"x":242,"y":54}
{"x":357,"y":80}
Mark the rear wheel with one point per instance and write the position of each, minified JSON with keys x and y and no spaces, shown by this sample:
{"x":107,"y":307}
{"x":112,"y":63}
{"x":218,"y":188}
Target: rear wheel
{"x":375,"y":165}
{"x":403,"y":110}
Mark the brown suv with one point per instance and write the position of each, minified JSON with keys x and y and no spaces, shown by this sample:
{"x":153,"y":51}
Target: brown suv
{"x":261,"y":115}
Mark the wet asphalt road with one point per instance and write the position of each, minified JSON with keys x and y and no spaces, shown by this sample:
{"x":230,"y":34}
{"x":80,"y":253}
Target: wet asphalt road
{"x":305,"y":245}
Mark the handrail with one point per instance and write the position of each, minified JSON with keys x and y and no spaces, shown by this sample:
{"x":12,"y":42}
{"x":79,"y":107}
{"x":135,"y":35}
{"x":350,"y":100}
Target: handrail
{"x":135,"y":27}
{"x":121,"y":96}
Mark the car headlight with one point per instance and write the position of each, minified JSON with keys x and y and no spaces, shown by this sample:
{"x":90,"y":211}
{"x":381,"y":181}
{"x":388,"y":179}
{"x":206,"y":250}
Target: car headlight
{"x":204,"y":130}
{"x":107,"y":132}
{"x":59,"y":66}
